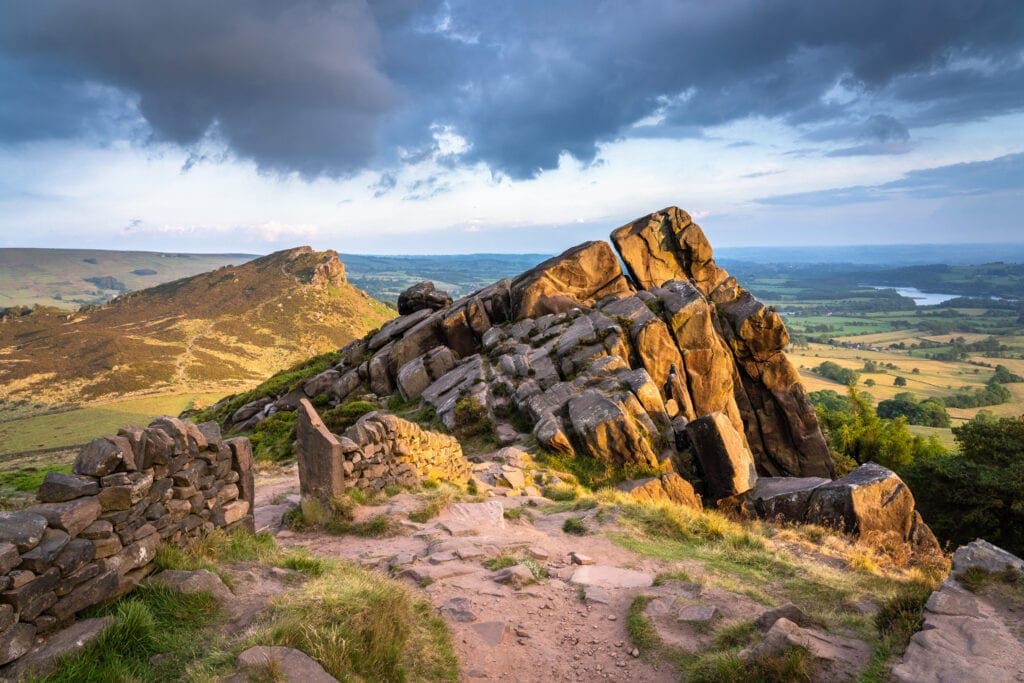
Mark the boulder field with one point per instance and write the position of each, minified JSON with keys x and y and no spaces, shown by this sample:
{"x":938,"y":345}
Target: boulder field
{"x":667,"y":367}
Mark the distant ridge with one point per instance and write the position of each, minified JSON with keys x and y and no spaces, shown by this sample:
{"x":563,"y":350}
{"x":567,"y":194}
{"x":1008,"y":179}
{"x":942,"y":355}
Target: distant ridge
{"x":234,"y":325}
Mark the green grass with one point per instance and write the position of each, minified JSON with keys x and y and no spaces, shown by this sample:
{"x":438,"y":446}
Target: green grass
{"x":357,"y":624}
{"x":591,"y":472}
{"x":72,"y":427}
{"x":152,"y":621}
{"x":28,"y":479}
{"x":362,"y":626}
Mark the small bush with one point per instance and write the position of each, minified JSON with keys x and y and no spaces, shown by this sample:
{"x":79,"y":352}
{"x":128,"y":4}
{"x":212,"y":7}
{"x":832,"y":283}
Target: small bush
{"x":471,"y":419}
{"x":574,"y":526}
{"x":273,"y":439}
{"x":344,"y":416}
{"x":902,"y":615}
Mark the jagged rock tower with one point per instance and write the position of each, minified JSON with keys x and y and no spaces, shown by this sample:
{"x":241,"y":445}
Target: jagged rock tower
{"x":640,"y":369}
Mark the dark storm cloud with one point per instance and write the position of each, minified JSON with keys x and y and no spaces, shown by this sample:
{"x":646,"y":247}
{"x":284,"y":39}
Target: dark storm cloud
{"x":331,"y":87}
{"x":967,"y":179}
{"x":294,"y":86}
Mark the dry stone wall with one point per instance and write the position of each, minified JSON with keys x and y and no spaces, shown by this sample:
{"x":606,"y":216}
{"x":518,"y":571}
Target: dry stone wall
{"x":377,"y":451}
{"x":94,"y":533}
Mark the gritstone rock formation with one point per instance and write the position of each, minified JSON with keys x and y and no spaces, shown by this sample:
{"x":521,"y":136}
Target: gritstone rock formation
{"x":673,"y":368}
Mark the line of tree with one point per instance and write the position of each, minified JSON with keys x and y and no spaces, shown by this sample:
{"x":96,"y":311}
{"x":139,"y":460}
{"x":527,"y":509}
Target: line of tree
{"x":992,"y":394}
{"x":837,"y":373}
{"x":928,"y":413}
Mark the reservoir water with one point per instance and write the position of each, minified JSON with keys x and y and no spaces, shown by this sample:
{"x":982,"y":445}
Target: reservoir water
{"x":920,"y":298}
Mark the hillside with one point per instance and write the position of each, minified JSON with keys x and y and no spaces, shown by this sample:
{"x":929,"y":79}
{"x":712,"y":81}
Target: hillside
{"x":234,"y":325}
{"x":69,"y":278}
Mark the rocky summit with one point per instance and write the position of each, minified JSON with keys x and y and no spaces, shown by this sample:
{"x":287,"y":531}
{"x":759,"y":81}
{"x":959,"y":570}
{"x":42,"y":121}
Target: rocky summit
{"x":669,"y":367}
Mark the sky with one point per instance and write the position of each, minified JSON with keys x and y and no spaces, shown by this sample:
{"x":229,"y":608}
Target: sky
{"x":478,"y":126}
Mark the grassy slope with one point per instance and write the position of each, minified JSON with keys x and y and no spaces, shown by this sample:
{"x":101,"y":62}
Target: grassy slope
{"x":230,"y":327}
{"x":37,"y":276}
{"x":83,"y":424}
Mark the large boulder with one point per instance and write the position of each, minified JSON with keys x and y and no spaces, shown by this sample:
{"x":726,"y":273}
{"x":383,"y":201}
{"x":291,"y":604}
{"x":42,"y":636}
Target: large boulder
{"x":611,"y":430}
{"x":422,"y":296}
{"x":724,"y":458}
{"x":664,"y":245}
{"x":871,"y":498}
{"x":784,"y":498}
{"x":578,"y":277}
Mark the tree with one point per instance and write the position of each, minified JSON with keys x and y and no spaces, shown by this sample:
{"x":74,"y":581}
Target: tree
{"x":899,"y":381}
{"x":869,"y":382}
{"x":980,"y":492}
{"x":858,"y":435}
{"x":837,"y":373}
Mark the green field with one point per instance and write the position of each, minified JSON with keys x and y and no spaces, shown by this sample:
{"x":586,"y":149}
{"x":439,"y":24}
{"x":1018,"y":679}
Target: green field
{"x":84,"y":424}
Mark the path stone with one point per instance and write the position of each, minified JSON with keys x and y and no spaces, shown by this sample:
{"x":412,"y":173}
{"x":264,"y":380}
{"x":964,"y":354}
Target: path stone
{"x":457,"y":609}
{"x":580,"y":558}
{"x":516,"y":576}
{"x":292,"y":665}
{"x":835,"y":658}
{"x":491,"y":632}
{"x":611,"y":577}
{"x":192,"y":582}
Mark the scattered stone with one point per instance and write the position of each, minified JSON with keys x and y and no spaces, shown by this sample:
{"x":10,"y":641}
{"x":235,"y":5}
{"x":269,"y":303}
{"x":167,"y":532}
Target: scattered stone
{"x":580,"y":558}
{"x":697,"y":614}
{"x":192,"y":582}
{"x":516,"y":576}
{"x":596,"y":595}
{"x":457,"y":609}
{"x":786,"y":611}
{"x":871,"y":498}
{"x":983,"y":555}
{"x":282,"y":663}
{"x":538,"y":553}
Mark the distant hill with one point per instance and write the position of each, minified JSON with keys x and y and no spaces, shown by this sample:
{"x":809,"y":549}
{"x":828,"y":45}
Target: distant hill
{"x":384,"y":277}
{"x":232,"y":326}
{"x":69,"y":278}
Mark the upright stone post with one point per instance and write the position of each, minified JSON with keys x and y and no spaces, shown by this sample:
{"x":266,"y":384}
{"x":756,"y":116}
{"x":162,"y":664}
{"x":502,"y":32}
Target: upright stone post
{"x":321,"y":473}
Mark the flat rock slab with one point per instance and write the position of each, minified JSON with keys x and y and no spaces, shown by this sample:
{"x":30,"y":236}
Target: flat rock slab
{"x":473,"y":519}
{"x":605,"y":576}
{"x":43,"y":658}
{"x":288,"y":664}
{"x":491,"y":632}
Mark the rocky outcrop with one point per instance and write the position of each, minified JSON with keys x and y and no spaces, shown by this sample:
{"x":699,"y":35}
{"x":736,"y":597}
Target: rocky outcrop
{"x":422,"y":296}
{"x":599,"y":364}
{"x":93,"y":535}
{"x":377,"y":451}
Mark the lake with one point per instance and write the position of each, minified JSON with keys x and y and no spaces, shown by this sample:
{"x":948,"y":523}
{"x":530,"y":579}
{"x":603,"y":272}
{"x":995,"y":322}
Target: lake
{"x":920,"y":298}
